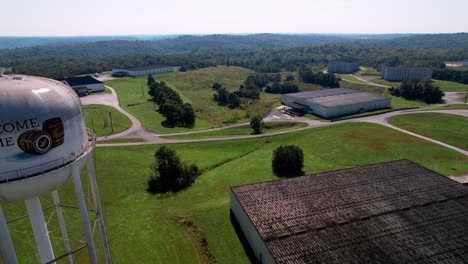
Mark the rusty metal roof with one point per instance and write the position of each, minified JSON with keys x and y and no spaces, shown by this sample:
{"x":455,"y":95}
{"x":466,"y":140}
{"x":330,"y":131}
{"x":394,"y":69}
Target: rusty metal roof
{"x":385,"y":213}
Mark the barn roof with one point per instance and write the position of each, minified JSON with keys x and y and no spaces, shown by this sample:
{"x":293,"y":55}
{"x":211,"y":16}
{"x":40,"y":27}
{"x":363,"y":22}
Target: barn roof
{"x":391,"y":212}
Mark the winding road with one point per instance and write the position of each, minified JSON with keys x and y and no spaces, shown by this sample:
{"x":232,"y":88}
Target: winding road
{"x":137,"y":131}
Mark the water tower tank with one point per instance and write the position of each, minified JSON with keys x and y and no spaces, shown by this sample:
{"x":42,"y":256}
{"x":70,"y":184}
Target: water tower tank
{"x":41,"y":132}
{"x":43,"y":144}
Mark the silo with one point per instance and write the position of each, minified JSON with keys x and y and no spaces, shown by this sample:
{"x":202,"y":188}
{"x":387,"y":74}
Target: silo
{"x":43,"y":144}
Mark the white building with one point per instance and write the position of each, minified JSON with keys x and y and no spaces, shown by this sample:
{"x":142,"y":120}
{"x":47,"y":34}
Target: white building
{"x":330,"y":103}
{"x":141,"y":71}
{"x":343,"y":66}
{"x":398,"y":74}
{"x":84,"y":85}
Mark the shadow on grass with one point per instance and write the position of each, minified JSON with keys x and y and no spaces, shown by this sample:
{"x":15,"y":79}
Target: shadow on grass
{"x":167,"y":124}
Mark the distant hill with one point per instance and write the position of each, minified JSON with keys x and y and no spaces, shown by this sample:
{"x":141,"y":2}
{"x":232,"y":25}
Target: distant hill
{"x":132,"y":45}
{"x":106,"y":46}
{"x":426,"y":41}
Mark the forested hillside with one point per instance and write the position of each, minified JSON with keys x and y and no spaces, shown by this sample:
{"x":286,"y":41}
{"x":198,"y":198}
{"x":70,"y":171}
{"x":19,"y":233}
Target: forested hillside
{"x":198,"y":52}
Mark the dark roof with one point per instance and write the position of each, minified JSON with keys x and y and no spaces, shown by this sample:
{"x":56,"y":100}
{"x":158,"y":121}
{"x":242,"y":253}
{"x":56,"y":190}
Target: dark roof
{"x":385,"y":213}
{"x":323,"y":93}
{"x":75,"y":81}
{"x":142,"y":68}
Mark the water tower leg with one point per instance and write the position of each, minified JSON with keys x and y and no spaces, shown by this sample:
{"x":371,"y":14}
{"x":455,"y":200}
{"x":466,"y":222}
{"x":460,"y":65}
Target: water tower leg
{"x":7,"y":250}
{"x":97,"y":205}
{"x":39,"y":227}
{"x":63,"y":229}
{"x":84,"y":214}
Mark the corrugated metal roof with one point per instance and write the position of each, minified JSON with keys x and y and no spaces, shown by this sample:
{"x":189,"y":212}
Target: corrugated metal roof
{"x":337,"y":97}
{"x":385,"y":213}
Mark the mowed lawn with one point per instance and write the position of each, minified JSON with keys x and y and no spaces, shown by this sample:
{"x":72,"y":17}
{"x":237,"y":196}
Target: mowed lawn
{"x":447,"y":128}
{"x":270,"y":127}
{"x":148,"y":229}
{"x":447,"y":86}
{"x":97,"y":118}
{"x":194,"y":88}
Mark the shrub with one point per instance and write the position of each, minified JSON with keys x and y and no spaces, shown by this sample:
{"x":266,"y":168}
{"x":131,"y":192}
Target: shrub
{"x":169,"y":173}
{"x":288,"y":161}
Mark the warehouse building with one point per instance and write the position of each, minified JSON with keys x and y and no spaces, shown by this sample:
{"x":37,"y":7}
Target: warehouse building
{"x":394,"y":212}
{"x":141,"y":71}
{"x":343,"y":66}
{"x":84,"y":85}
{"x":330,"y":103}
{"x":398,"y":74}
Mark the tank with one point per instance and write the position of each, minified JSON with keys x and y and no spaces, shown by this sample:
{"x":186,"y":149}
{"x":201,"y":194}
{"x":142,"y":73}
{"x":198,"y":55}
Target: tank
{"x":42,"y":132}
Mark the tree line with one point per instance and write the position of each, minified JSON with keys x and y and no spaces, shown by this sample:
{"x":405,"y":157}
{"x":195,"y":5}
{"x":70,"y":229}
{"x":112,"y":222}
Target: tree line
{"x":171,"y":105}
{"x":419,"y":90}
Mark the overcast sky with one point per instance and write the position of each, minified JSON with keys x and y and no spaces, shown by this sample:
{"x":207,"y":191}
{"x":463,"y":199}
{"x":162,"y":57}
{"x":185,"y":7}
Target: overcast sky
{"x":124,"y":17}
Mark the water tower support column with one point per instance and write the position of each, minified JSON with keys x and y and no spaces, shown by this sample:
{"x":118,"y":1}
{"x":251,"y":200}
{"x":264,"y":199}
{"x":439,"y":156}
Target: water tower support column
{"x":63,"y":229}
{"x":97,"y":206}
{"x":84,"y":214}
{"x":39,"y":227}
{"x":7,"y":250}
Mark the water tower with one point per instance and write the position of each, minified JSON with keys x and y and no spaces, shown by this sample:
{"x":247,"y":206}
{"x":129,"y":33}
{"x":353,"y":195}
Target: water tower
{"x":43,"y":145}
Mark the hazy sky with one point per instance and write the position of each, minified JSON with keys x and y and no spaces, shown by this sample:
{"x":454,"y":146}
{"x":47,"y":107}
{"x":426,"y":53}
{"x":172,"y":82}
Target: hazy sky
{"x":123,"y":17}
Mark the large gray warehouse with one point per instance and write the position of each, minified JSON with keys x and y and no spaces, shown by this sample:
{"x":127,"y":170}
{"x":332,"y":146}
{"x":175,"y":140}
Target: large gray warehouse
{"x":343,"y":66}
{"x":330,"y":103}
{"x":398,"y":74}
{"x":394,"y":212}
{"x":141,"y":71}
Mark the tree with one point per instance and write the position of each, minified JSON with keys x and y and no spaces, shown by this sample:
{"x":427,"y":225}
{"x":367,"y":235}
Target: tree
{"x":216,"y":86}
{"x":256,"y":123}
{"x":170,"y":174}
{"x":188,"y":115}
{"x":288,"y":161}
{"x":417,"y":90}
{"x":150,"y":80}
{"x":182,"y":69}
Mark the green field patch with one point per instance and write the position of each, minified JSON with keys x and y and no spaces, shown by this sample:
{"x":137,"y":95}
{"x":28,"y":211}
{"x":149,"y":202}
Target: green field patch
{"x":120,"y":140}
{"x":144,"y":228}
{"x":195,"y":88}
{"x":447,"y":128}
{"x":349,"y":77}
{"x":447,"y":86}
{"x":270,"y":127}
{"x":98,"y":119}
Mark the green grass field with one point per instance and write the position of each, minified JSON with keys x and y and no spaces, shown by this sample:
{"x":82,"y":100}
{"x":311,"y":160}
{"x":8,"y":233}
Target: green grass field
{"x":447,"y":86}
{"x":449,"y":107}
{"x":143,"y":228}
{"x":450,"y":129}
{"x":270,"y":127}
{"x":97,"y":118}
{"x":349,"y":77}
{"x":195,"y":88}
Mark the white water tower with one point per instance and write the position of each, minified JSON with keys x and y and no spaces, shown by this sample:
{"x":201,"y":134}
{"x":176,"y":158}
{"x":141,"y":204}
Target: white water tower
{"x":43,"y":144}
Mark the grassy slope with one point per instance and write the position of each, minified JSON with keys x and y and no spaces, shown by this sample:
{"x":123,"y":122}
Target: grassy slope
{"x":132,"y":99}
{"x":447,"y":86}
{"x":99,"y":116}
{"x":142,"y":227}
{"x":450,"y":129}
{"x":449,"y":107}
{"x":270,"y":127}
{"x":195,"y":88}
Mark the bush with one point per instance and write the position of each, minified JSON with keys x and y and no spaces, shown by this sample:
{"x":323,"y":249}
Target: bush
{"x":169,"y":173}
{"x":288,"y":161}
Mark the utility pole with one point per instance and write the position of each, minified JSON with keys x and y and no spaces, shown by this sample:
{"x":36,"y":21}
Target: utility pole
{"x":110,"y":118}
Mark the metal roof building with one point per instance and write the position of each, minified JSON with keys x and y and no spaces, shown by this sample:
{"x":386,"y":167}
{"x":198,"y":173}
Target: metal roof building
{"x":343,"y":66}
{"x":394,"y":212}
{"x":336,"y":102}
{"x":83,"y":85}
{"x":140,"y":71}
{"x":398,"y":74}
